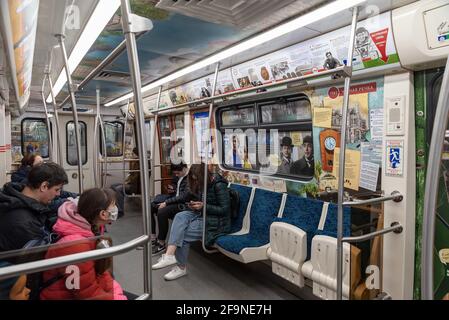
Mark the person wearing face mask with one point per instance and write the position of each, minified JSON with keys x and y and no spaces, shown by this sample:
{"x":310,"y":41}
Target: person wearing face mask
{"x":79,"y":225}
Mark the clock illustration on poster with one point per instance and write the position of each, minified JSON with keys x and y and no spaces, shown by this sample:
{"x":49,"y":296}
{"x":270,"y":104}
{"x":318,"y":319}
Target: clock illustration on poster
{"x":329,"y":140}
{"x":330,"y":143}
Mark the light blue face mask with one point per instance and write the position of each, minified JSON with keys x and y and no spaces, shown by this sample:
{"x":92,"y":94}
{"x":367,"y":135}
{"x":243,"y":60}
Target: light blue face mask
{"x":113,"y":213}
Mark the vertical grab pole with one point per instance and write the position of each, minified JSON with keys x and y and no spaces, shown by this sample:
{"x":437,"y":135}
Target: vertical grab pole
{"x":103,"y":142}
{"x":124,"y":155}
{"x":50,"y":149}
{"x":128,"y":21}
{"x":341,"y":168}
{"x":56,"y":113}
{"x":430,"y":196}
{"x":74,"y":111}
{"x":153,"y":142}
{"x":206,"y":152}
{"x":96,"y":158}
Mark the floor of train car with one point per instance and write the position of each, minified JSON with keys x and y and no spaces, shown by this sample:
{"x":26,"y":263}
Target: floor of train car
{"x":212,"y":276}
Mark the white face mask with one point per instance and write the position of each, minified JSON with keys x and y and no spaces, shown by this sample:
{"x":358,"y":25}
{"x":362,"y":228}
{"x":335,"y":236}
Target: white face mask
{"x":113,"y":213}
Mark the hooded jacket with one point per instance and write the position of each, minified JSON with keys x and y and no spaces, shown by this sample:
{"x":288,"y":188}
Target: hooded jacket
{"x":218,"y":208}
{"x":21,"y":174}
{"x":21,"y":218}
{"x":76,"y":236}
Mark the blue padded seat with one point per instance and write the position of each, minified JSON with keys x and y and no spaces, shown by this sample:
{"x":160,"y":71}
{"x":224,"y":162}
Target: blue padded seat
{"x":303,"y":213}
{"x":244,"y":195}
{"x":264,"y":210}
{"x":330,"y":226}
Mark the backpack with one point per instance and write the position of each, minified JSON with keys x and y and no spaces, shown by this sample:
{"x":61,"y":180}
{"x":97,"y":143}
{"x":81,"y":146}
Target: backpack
{"x":34,"y":250}
{"x":235,"y":203}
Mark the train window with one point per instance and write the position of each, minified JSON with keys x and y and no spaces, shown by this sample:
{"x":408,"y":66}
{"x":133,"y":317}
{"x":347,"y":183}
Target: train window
{"x":113,"y":139}
{"x":238,"y":117}
{"x":164,"y":129}
{"x":286,"y":111}
{"x":278,"y":143}
{"x":35,"y":138}
{"x":72,"y":158}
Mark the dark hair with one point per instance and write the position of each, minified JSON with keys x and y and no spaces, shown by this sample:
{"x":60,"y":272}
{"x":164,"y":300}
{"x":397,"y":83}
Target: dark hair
{"x":28,"y":159}
{"x":196,"y":178}
{"x":136,"y":151}
{"x":93,"y":201}
{"x":49,"y":172}
{"x":328,"y":53}
{"x":178,"y":166}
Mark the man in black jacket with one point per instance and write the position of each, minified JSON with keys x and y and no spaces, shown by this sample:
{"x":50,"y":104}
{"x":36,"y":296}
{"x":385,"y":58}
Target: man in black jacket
{"x":24,"y":210}
{"x":171,"y":206}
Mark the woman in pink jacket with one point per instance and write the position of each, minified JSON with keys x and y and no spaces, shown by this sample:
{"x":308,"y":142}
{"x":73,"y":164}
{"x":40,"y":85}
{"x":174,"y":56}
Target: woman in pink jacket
{"x":78,"y":225}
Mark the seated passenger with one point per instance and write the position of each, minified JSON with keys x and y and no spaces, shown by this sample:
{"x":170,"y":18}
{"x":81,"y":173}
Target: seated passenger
{"x":28,"y":161}
{"x":20,"y":176}
{"x":170,"y":207}
{"x":158,"y":199}
{"x":24,"y":211}
{"x":187,"y":226}
{"x":80,"y":224}
{"x":132,"y":184}
{"x":306,"y":165}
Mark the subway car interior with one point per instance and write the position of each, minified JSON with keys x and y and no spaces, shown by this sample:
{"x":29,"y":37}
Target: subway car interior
{"x":179,"y":150}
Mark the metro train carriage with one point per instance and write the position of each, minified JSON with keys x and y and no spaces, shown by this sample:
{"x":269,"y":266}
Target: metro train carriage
{"x":133,"y":130}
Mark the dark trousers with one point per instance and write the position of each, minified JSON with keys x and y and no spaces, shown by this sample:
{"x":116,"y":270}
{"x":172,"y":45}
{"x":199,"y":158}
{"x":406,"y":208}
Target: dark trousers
{"x":163,"y":215}
{"x":118,"y":188}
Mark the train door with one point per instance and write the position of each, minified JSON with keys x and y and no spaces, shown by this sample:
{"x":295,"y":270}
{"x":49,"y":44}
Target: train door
{"x":179,"y":151}
{"x":70,"y":160}
{"x":165,"y":128}
{"x":428,"y":87}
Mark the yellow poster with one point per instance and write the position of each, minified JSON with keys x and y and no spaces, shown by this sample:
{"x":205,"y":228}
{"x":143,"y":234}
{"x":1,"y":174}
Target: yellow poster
{"x":322,"y":117}
{"x":352,"y":168}
{"x":296,"y":138}
{"x":357,"y":115}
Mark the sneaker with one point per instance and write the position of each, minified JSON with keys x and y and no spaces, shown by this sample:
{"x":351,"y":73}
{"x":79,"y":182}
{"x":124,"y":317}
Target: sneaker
{"x":164,"y":261}
{"x":175,"y":273}
{"x":158,"y":248}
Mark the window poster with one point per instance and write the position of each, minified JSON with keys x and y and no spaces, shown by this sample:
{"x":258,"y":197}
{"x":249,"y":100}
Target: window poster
{"x":200,"y":127}
{"x":365,"y":116}
{"x":352,"y":168}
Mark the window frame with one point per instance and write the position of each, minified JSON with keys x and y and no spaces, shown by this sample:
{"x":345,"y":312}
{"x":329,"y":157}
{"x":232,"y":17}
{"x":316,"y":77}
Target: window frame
{"x":49,"y":131}
{"x":305,"y":125}
{"x":67,"y":143}
{"x":123,"y":139}
{"x":237,"y":107}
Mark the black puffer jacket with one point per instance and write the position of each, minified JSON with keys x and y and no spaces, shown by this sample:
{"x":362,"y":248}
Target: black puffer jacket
{"x":218,"y":209}
{"x":183,"y":193}
{"x":21,"y":218}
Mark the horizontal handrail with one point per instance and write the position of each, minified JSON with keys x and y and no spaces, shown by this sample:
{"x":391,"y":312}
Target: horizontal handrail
{"x":47,"y":264}
{"x":396,"y":227}
{"x":343,"y":71}
{"x":396,"y":196}
{"x":162,"y":179}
